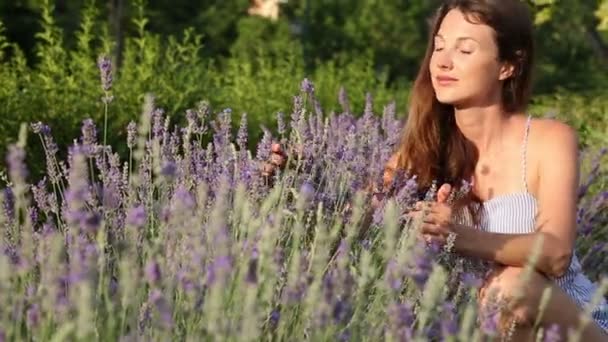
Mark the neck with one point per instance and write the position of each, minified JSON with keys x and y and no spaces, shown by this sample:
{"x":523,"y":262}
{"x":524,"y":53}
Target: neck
{"x":483,"y":126}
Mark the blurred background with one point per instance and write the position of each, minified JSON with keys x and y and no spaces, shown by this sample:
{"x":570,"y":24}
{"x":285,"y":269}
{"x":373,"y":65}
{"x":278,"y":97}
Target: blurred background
{"x":251,"y":56}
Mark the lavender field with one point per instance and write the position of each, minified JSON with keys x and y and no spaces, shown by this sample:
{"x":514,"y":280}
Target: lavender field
{"x":184,"y":240}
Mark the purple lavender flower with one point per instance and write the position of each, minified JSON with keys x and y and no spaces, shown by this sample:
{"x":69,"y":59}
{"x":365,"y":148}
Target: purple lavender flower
{"x":282,"y":130}
{"x":471,"y":280}
{"x":328,"y":285}
{"x":89,"y":133}
{"x":163,"y":308}
{"x":406,"y":195}
{"x":298,"y":107}
{"x":296,"y":292}
{"x":12,"y":253}
{"x":275,"y":315}
{"x":185,"y":280}
{"x":33,"y":214}
{"x":449,"y":322}
{"x":16,"y":164}
{"x":222,"y":135}
{"x":169,"y":169}
{"x":342,"y":311}
{"x":401,"y":318}
{"x":113,"y":286}
{"x":111,"y":194}
{"x":367,"y":244}
{"x":552,"y":334}
{"x":252,"y":269}
{"x":40,"y":128}
{"x":183,"y":199}
{"x":105,"y":69}
{"x":145,"y":316}
{"x":137,"y":216}
{"x":241,"y":137}
{"x":344,"y":336}
{"x":33,"y":315}
{"x":131,"y":134}
{"x":307,"y":87}
{"x":50,"y":150}
{"x":307,"y":191}
{"x":421,"y":269}
{"x":489,"y":317}
{"x":191,"y":118}
{"x":158,"y":123}
{"x":78,"y":191}
{"x":41,"y":196}
{"x":219,"y":269}
{"x":152,"y":272}
{"x":278,"y":257}
{"x":91,"y":222}
{"x":263,"y":148}
{"x":393,"y":275}
{"x":431,"y":193}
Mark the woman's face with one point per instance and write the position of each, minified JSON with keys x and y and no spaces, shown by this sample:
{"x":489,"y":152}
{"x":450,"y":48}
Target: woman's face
{"x":464,"y":65}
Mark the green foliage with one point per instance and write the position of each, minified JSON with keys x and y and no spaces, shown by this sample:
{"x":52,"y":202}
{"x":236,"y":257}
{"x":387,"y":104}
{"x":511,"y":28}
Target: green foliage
{"x":585,"y":112}
{"x":251,"y":64}
{"x":602,"y":14}
{"x":569,"y":46}
{"x":63,"y":87}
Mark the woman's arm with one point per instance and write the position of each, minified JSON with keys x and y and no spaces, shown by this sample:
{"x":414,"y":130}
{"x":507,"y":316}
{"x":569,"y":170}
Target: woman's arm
{"x":558,"y":179}
{"x":512,"y":249}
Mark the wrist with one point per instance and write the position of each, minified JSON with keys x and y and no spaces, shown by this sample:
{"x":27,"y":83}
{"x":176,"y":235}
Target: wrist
{"x":458,"y":233}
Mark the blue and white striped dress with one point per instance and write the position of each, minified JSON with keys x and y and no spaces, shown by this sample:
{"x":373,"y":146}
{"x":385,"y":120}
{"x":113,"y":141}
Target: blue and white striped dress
{"x":516,"y":214}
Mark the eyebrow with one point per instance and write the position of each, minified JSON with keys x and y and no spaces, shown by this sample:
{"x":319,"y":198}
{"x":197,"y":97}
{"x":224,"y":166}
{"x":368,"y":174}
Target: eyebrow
{"x":459,"y":38}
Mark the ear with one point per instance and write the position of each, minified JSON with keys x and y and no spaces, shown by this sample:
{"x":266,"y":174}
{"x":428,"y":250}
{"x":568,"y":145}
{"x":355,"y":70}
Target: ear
{"x":506,"y":71}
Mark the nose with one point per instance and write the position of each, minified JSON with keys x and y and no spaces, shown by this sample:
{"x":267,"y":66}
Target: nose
{"x":443,"y":60}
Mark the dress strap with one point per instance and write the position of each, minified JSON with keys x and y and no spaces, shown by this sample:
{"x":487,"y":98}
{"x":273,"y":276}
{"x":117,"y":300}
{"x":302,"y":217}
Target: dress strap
{"x":525,"y":152}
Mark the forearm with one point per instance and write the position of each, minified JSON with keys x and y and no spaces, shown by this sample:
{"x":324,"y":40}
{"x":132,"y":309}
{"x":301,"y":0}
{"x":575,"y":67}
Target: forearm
{"x":513,"y":249}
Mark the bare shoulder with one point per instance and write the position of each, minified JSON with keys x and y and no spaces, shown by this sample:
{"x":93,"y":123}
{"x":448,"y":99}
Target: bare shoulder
{"x":552,"y":152}
{"x":553,"y":136}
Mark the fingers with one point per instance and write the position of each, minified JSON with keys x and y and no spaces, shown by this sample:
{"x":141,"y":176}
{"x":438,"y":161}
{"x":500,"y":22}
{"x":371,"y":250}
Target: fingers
{"x":434,"y":229}
{"x":439,"y":209}
{"x":444,"y":193}
{"x":276,"y":148}
{"x":277,"y":159}
{"x":435,"y":218}
{"x":267,"y":169}
{"x":422,"y":205}
{"x":430,"y":238}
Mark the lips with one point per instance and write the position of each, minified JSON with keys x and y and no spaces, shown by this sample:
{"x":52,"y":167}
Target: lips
{"x":445,"y":80}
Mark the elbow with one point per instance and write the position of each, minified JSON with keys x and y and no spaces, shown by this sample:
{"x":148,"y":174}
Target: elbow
{"x":559,"y":262}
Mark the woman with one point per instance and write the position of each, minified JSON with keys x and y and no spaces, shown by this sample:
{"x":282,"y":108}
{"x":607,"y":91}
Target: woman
{"x":467,"y":121}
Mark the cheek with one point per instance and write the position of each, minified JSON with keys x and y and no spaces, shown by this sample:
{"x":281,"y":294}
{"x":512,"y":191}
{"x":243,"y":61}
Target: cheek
{"x":480,"y":73}
{"x":432,"y":63}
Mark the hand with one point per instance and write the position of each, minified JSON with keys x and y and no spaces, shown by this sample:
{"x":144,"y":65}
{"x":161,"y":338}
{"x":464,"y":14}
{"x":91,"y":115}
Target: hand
{"x":277,"y":160}
{"x":436,"y":216}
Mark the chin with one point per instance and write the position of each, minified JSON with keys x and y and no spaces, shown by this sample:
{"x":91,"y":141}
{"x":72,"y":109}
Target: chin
{"x":446,"y":99}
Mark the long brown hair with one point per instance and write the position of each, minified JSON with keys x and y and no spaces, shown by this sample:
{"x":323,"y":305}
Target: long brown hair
{"x":432,"y":147}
